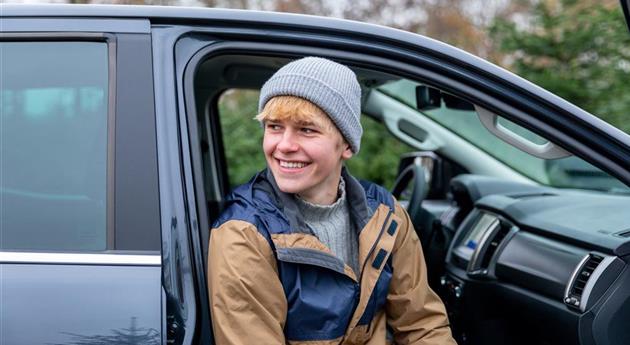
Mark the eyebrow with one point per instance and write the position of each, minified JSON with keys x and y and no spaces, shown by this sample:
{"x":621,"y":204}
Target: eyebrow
{"x":303,"y":123}
{"x":308,"y":124}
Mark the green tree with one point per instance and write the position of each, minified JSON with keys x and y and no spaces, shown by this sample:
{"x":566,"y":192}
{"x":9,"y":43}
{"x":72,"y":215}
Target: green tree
{"x":242,"y":135}
{"x":580,"y":50}
{"x":380,"y":152}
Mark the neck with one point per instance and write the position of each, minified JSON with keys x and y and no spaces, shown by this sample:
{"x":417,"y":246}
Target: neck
{"x":327,"y":196}
{"x":323,"y":209}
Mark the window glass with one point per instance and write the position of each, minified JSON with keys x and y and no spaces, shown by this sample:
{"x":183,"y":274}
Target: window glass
{"x":377,"y":160}
{"x":569,"y":172}
{"x":53,"y":149}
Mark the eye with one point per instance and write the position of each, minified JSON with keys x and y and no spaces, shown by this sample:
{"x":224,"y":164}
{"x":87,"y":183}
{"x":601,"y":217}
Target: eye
{"x":308,"y":130}
{"x":273,"y":126}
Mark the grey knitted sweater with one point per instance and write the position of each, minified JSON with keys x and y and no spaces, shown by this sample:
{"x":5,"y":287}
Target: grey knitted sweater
{"x":333,"y":227}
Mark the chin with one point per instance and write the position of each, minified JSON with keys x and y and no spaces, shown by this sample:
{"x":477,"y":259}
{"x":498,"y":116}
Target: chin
{"x":289,"y":187}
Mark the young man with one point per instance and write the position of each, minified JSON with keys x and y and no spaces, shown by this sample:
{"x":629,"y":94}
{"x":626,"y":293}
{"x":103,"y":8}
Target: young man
{"x":306,"y":254}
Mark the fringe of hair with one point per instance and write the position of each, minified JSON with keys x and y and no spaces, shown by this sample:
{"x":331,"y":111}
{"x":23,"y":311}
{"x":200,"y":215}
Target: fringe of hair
{"x":296,"y":109}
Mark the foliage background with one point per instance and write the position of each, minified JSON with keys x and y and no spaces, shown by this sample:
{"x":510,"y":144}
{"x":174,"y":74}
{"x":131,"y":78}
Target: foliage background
{"x":579,"y":50}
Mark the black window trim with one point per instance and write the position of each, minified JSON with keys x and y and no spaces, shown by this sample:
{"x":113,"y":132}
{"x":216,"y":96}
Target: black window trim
{"x":110,"y":40}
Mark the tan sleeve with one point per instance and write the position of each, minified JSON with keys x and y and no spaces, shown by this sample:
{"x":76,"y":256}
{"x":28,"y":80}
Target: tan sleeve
{"x":247,"y":301}
{"x":415,"y":313}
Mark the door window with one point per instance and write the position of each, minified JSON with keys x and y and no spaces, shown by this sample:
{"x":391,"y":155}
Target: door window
{"x":568,"y":172}
{"x":53,"y":145}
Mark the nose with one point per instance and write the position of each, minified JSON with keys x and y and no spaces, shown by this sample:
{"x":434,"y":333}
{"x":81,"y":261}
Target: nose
{"x":287,"y":142}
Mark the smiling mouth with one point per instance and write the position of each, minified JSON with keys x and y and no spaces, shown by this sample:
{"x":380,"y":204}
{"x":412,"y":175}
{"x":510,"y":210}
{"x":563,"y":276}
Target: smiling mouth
{"x":292,"y":164}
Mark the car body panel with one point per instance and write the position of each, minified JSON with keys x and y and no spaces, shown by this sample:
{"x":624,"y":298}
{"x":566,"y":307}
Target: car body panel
{"x":178,"y":224}
{"x":45,"y":303}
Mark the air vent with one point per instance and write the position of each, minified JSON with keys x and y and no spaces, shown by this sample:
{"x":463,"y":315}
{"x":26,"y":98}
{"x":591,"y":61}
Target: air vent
{"x":494,"y":243}
{"x":488,"y":245}
{"x":579,"y":279}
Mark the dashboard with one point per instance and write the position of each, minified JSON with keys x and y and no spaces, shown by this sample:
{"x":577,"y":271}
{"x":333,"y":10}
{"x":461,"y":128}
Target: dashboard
{"x":537,"y":265}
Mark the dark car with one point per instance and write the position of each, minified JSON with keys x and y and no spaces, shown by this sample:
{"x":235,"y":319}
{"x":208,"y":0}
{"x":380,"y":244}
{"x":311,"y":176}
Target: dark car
{"x":118,"y":149}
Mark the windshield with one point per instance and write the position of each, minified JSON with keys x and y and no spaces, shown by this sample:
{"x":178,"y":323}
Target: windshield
{"x":569,"y":172}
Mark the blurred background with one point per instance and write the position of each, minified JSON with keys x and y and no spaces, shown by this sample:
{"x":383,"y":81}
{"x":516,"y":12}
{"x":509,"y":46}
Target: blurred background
{"x":577,"y":49}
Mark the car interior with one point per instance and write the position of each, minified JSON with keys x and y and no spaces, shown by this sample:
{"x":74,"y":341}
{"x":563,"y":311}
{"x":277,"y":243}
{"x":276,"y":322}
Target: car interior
{"x":524,"y":242}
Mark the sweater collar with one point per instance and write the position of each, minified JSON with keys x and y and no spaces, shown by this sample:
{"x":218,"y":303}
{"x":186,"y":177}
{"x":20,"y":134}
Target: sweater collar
{"x":287,"y":203}
{"x":311,"y":211}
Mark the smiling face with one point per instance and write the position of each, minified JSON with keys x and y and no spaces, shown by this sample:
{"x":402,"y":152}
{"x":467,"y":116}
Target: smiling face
{"x":303,"y":149}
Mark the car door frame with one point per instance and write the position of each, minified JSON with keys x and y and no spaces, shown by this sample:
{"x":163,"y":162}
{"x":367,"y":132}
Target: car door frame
{"x":384,"y":49}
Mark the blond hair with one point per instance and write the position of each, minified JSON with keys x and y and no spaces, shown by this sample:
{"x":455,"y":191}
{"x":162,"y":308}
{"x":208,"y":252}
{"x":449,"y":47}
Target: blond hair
{"x":296,"y":109}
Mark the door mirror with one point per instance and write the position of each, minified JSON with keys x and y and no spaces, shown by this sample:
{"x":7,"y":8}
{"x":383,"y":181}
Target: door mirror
{"x":428,"y":98}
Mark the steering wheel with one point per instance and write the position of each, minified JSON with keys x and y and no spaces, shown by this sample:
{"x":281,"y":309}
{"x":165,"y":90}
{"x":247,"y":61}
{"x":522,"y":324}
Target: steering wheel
{"x":412,"y":181}
{"x":412,"y":178}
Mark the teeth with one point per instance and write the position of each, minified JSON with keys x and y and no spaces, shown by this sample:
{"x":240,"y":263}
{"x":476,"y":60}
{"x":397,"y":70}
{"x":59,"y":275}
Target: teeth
{"x":292,"y":165}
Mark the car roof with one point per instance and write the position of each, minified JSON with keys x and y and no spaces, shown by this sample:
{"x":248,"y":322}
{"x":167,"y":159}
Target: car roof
{"x":206,"y":16}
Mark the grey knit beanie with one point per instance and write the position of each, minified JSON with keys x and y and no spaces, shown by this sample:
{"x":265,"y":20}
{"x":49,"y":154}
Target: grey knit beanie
{"x":331,"y":86}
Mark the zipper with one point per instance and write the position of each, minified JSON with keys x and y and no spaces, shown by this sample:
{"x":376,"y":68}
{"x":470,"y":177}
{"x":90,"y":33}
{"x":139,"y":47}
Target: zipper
{"x":378,"y":238}
{"x":360,"y":278}
{"x":367,"y":258}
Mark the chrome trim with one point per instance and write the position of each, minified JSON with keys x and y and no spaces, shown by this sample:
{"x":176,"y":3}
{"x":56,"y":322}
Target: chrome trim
{"x":482,"y":245}
{"x":80,"y":259}
{"x":512,"y":231}
{"x":576,"y":271}
{"x":592,"y":280}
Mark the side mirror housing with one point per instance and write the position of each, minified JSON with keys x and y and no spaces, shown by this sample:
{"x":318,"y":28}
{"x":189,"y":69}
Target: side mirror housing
{"x":428,"y":98}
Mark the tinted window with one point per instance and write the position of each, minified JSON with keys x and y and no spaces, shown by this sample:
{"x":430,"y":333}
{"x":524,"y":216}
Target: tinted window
{"x":568,"y":172}
{"x":53,"y":149}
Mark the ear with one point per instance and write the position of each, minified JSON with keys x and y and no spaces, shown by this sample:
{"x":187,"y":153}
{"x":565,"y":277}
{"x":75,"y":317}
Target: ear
{"x":347,"y":152}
